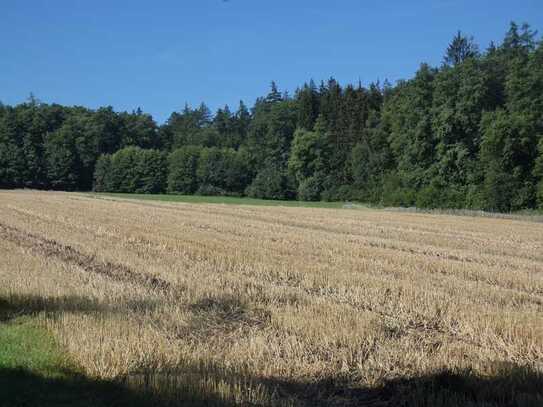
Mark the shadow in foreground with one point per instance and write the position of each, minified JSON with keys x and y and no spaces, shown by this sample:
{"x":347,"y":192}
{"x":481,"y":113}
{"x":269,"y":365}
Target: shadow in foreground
{"x":520,"y":388}
{"x":19,"y":387}
{"x":509,"y":386}
{"x":208,"y":384}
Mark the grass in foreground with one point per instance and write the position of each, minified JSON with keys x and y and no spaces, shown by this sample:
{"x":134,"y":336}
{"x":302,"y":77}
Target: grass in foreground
{"x":35,"y":372}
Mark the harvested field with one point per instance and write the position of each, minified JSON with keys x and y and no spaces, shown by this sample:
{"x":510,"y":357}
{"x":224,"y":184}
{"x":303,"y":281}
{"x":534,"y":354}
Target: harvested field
{"x":224,"y":304}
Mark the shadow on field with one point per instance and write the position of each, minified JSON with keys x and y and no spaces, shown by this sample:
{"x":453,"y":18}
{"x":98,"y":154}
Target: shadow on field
{"x":511,"y":386}
{"x":208,"y":384}
{"x":15,"y":305}
{"x":19,"y":387}
{"x":446,"y":389}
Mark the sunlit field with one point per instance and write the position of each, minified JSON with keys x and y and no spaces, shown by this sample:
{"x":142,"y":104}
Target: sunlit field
{"x":219,"y":304}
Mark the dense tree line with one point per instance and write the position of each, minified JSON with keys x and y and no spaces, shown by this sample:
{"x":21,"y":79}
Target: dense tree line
{"x":466,"y":134}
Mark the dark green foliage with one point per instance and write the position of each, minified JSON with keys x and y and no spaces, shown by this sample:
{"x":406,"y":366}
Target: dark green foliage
{"x":467,"y":134}
{"x":507,"y":156}
{"x":152,"y":170}
{"x":439,"y":195}
{"x":64,"y":164}
{"x":407,"y":116}
{"x":272,"y":183}
{"x":103,"y":174}
{"x":12,"y":160}
{"x":310,"y":188}
{"x":105,"y":129}
{"x":225,"y":169}
{"x":460,"y":49}
{"x":271,"y":130}
{"x":208,"y":171}
{"x":190,"y":127}
{"x":309,"y":154}
{"x":395,"y":192}
{"x":139,"y":129}
{"x":538,"y":173}
{"x":132,"y":169}
{"x":183,"y":163}
{"x":308,"y":105}
{"x":124,"y":174}
{"x":309,"y":157}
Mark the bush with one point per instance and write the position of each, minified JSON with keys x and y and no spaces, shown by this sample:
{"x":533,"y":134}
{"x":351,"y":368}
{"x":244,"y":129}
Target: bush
{"x":310,"y":189}
{"x":123,"y":175}
{"x":271,"y":183}
{"x":182,"y":166}
{"x":102,"y":174}
{"x":395,"y":194}
{"x":429,"y":197}
{"x":223,"y":168}
{"x":210,"y":190}
{"x":131,"y":169}
{"x":338,"y":193}
{"x":151,"y":170}
{"x":498,"y":191}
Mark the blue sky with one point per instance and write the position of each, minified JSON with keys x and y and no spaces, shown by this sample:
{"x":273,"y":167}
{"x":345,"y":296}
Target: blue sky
{"x":160,"y":54}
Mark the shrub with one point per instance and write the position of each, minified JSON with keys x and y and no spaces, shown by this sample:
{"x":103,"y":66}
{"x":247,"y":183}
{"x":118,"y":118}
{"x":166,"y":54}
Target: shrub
{"x":310,"y":189}
{"x":131,"y":169}
{"x":338,"y":193}
{"x":271,"y":183}
{"x":182,"y":166}
{"x":151,"y":172}
{"x":429,"y":197}
{"x":223,"y":168}
{"x":210,"y":190}
{"x":102,"y":174}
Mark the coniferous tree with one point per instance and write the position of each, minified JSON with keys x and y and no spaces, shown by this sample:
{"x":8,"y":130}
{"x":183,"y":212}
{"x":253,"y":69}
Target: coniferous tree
{"x":63,"y":162}
{"x":460,"y":49}
{"x":308,"y":105}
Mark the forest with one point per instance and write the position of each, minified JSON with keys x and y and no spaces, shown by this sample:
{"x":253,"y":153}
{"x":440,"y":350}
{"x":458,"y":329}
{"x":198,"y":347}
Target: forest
{"x":466,"y":134}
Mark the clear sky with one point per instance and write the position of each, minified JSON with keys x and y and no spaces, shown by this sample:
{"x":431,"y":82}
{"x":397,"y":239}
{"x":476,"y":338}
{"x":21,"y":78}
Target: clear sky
{"x":160,"y":54}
